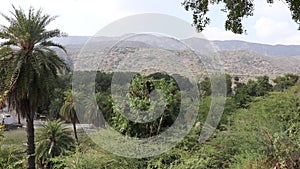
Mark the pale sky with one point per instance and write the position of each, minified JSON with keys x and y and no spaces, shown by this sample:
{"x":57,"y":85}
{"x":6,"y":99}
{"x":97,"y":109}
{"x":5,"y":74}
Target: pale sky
{"x":271,"y":24}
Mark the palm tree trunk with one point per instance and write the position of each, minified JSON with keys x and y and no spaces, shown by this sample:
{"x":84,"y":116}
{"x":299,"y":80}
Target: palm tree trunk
{"x":19,"y":118}
{"x":159,"y":125}
{"x":75,"y":131}
{"x":30,"y":143}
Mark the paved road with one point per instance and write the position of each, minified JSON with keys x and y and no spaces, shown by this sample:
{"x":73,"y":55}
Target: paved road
{"x":39,"y":124}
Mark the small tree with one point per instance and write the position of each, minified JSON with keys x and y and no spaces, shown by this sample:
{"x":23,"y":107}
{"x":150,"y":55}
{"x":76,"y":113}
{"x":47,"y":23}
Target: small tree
{"x":263,"y":85}
{"x":52,"y":140}
{"x":284,"y":82}
{"x":68,"y":110}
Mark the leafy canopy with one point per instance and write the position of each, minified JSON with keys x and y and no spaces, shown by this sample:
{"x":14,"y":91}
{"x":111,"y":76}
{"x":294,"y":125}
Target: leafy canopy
{"x":236,"y":11}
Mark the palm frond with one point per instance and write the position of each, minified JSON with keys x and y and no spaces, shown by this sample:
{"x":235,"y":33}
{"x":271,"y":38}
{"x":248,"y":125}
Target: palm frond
{"x":52,"y":44}
{"x":33,"y":62}
{"x":54,"y":139}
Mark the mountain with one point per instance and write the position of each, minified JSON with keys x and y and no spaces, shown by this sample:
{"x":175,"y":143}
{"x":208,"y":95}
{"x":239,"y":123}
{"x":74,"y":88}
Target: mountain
{"x":227,"y":45}
{"x":270,"y":50}
{"x":72,"y":40}
{"x":138,"y":52}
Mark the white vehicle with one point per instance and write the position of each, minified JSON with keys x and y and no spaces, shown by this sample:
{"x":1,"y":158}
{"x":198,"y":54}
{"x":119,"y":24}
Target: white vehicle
{"x":6,"y":118}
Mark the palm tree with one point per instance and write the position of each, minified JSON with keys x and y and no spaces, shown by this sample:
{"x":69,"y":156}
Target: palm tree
{"x":53,"y":140}
{"x":31,"y":65}
{"x":68,"y":110}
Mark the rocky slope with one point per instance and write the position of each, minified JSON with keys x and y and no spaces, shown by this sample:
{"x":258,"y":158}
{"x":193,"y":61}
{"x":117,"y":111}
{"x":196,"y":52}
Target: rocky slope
{"x":153,"y":52}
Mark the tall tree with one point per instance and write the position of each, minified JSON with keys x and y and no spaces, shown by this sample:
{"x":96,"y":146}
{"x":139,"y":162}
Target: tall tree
{"x":163,"y":108}
{"x":32,"y":65}
{"x":236,"y":11}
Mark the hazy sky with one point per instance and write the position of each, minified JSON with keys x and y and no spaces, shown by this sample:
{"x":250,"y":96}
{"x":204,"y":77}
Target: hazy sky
{"x":271,"y":24}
